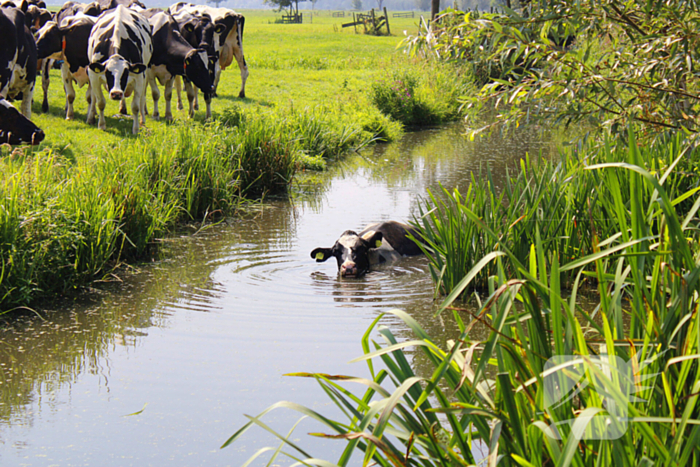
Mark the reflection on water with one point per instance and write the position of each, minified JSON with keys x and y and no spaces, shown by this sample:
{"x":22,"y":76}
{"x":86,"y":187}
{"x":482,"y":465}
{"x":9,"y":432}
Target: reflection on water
{"x":160,"y":369}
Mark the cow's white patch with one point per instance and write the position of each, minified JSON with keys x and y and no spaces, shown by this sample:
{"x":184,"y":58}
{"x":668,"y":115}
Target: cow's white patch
{"x":81,"y":76}
{"x":162,"y":74}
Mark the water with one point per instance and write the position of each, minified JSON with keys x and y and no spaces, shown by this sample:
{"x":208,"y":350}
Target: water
{"x":161,"y":368}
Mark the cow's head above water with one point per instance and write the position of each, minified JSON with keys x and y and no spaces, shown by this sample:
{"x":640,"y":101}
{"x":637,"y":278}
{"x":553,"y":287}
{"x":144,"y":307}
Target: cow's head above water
{"x":351,"y":251}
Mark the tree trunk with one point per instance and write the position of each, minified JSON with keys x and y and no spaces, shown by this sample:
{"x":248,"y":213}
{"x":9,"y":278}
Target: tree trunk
{"x":434,"y":8}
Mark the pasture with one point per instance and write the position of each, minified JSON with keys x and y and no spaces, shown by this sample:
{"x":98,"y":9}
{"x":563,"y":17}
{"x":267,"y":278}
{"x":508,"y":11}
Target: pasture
{"x":317,"y":66}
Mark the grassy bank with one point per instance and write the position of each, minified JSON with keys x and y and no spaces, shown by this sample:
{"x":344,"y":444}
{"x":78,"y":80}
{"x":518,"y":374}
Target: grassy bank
{"x":86,"y":200}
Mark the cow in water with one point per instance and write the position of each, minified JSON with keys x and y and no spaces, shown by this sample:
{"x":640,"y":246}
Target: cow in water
{"x":17,"y":58}
{"x":15,"y":128}
{"x":378,"y":243}
{"x":119,"y":50}
{"x":174,"y":56}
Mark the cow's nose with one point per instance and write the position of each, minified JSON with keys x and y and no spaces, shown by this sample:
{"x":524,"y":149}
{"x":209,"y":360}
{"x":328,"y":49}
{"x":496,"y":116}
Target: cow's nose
{"x":348,"y":269}
{"x":116,"y":95}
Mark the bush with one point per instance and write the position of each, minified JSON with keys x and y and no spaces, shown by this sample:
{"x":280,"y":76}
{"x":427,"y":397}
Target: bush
{"x":396,"y":97}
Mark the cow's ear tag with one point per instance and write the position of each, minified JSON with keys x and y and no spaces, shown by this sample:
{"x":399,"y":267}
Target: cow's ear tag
{"x":319,"y":255}
{"x":378,"y":243}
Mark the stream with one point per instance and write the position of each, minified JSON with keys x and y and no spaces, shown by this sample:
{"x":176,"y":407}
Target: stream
{"x":161,"y":367}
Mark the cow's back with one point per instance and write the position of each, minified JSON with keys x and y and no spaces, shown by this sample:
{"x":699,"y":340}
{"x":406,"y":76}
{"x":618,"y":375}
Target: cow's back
{"x":395,"y":234}
{"x":123,"y":32}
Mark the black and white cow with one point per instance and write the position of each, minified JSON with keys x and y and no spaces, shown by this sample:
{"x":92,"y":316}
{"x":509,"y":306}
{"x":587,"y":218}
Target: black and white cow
{"x":68,"y":41}
{"x":75,"y":8}
{"x":228,"y":38}
{"x":174,"y":56}
{"x":200,"y":32}
{"x":15,"y":128}
{"x":35,"y":18}
{"x":111,"y":4}
{"x":17,"y":58}
{"x":119,"y":49}
{"x":378,"y":243}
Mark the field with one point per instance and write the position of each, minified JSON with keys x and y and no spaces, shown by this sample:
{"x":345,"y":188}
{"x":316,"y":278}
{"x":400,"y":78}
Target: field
{"x":305,"y":66}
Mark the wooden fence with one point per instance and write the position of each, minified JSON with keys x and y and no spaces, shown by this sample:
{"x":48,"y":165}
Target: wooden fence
{"x":371,"y":22}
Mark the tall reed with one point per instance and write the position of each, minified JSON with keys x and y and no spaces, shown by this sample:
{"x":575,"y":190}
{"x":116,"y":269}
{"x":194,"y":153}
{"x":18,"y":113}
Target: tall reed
{"x":573,"y":210}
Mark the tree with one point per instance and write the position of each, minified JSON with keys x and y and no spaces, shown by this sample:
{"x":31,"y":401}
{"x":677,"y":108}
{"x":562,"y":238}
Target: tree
{"x":422,"y":5}
{"x":603,"y":62}
{"x":216,"y":2}
{"x":356,"y":5}
{"x":292,"y":6}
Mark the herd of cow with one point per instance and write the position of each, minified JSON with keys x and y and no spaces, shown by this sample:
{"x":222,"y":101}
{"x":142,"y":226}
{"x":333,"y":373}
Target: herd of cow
{"x":116,"y":44}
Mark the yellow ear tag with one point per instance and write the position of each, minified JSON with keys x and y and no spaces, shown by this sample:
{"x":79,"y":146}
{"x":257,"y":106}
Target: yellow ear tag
{"x":378,"y":243}
{"x":319,"y":255}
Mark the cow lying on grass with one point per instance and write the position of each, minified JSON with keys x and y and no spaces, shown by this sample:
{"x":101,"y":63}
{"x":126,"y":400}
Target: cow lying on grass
{"x":15,"y":128}
{"x":378,"y":243}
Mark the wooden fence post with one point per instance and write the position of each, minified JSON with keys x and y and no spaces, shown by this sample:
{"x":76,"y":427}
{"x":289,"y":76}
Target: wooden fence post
{"x":386,"y":15}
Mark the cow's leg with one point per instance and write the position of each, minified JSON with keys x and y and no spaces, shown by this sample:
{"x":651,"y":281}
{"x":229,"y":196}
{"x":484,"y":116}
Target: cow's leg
{"x":122,"y":106}
{"x":45,"y":67}
{"x":238,"y":53}
{"x":217,"y":76}
{"x":155,"y":94}
{"x":97,"y":103}
{"x":191,"y":94}
{"x":91,"y":105}
{"x":178,"y":88}
{"x":168,"y":98}
{"x":144,"y":107}
{"x":138,"y":104}
{"x":88,"y":94}
{"x":27,"y":97}
{"x":207,"y":99}
{"x":196,"y":97}
{"x":67,"y":79}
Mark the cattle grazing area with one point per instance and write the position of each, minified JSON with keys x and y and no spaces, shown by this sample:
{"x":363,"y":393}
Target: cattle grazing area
{"x":86,"y":200}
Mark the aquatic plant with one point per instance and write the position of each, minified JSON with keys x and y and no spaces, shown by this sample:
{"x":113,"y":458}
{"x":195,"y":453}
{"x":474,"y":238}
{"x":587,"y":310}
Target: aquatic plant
{"x":417,"y":96}
{"x":572,"y":210}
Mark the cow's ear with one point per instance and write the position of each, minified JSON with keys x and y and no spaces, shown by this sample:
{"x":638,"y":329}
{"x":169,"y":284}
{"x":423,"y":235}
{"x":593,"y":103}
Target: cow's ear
{"x":189,"y":27}
{"x":321,"y":254}
{"x":97,"y":67}
{"x":375,"y":241}
{"x":137,"y":68}
{"x":24,"y":6}
{"x":219,"y":28}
